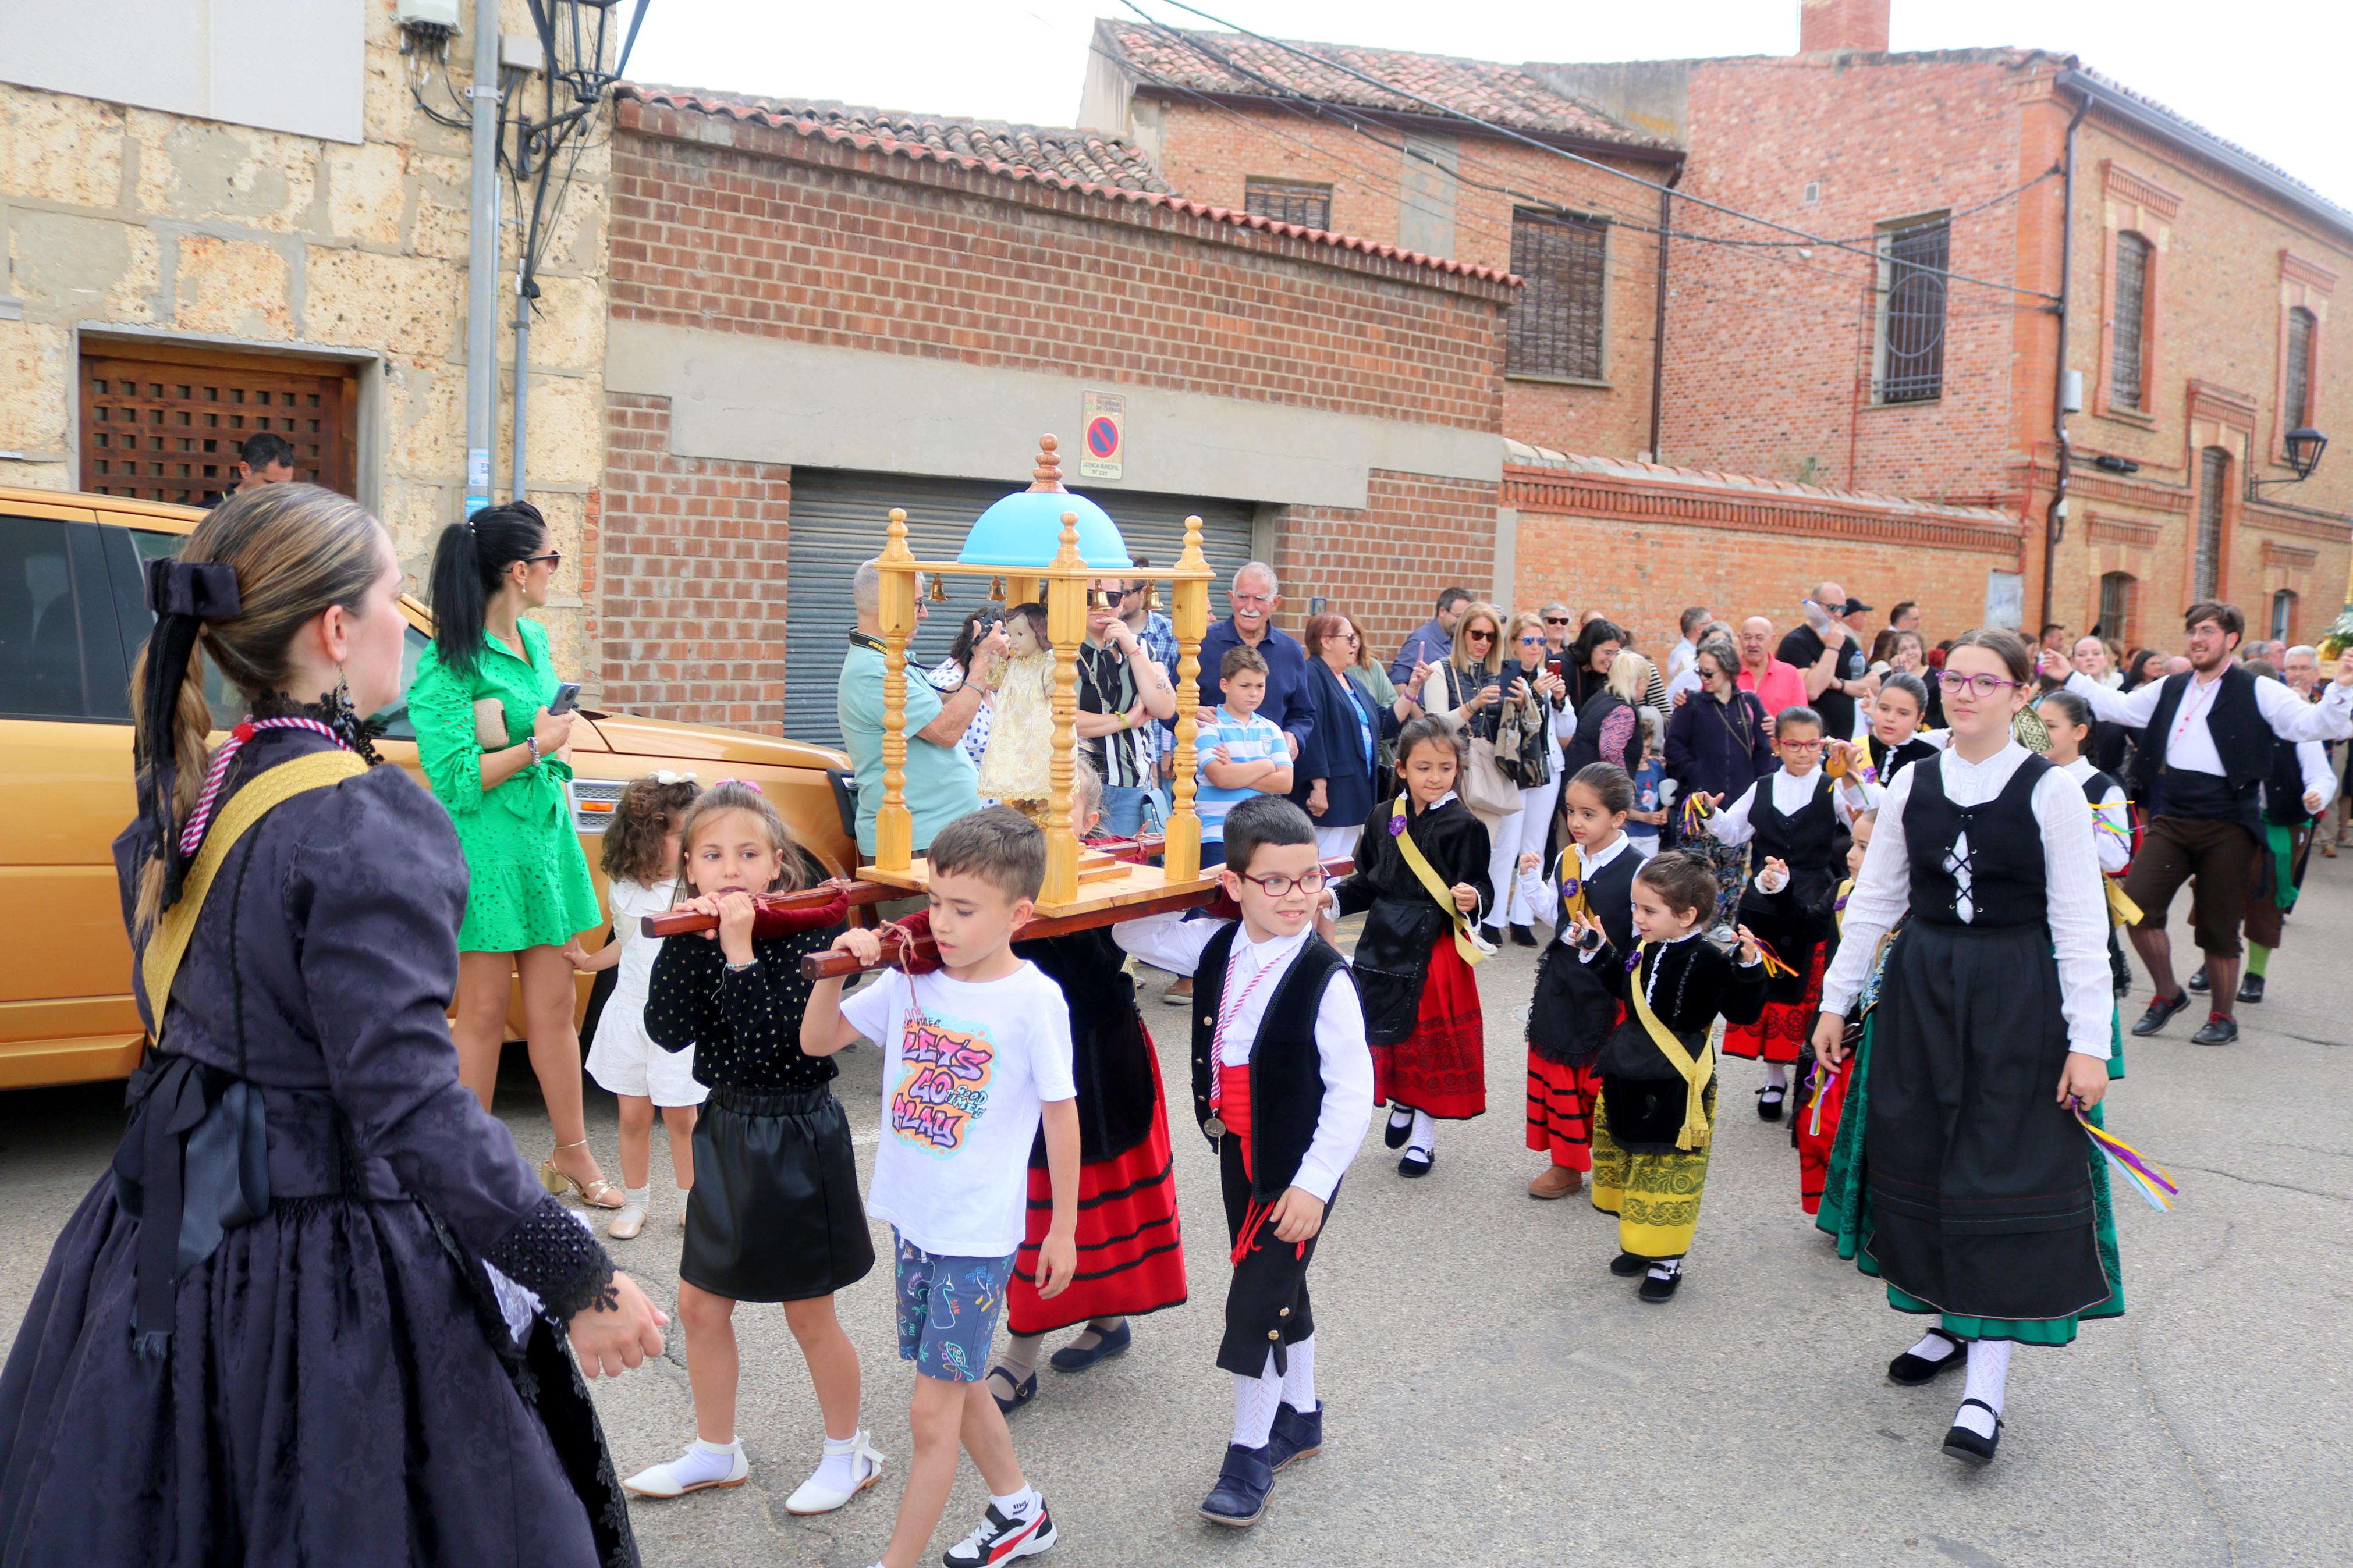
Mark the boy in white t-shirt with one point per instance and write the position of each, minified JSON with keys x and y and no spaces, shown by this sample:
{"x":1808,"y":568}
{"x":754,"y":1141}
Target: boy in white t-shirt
{"x":975,"y":1057}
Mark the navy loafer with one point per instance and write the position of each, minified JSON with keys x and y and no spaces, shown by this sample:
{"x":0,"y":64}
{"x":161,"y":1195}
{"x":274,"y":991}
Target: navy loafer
{"x":1296,"y":1436}
{"x":1071,"y":1358}
{"x":1240,"y":1495}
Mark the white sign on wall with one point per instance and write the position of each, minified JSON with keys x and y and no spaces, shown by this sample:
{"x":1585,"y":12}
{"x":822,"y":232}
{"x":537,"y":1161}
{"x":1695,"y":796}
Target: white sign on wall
{"x":2004,"y":599}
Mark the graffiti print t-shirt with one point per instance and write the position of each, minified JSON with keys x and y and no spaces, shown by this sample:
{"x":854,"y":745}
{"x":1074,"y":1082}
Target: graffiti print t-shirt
{"x":962,"y":1076}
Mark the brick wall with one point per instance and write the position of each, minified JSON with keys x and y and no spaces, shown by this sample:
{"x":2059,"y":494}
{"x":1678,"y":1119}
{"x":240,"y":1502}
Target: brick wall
{"x":692,"y":611}
{"x":1385,"y":564}
{"x":1209,"y":154}
{"x":1641,"y":544}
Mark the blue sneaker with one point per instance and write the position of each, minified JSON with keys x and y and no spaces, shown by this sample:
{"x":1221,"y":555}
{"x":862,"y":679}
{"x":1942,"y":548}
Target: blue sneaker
{"x":1297,"y":1435}
{"x":1071,"y":1358}
{"x":1240,"y":1495}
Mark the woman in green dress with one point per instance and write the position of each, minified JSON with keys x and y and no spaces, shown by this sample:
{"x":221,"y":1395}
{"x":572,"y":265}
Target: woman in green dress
{"x":494,"y":756}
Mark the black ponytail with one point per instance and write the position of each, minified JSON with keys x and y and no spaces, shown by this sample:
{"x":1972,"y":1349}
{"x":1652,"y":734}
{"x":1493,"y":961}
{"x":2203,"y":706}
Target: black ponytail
{"x":466,"y":566}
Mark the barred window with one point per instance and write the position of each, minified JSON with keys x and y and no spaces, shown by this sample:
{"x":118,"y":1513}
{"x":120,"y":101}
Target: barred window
{"x":2117,"y":595}
{"x":2298,"y":412}
{"x":1288,"y":201}
{"x":2283,"y":614}
{"x":2131,"y":322}
{"x":1554,"y":328}
{"x":2213,"y":493}
{"x":1912,"y":316}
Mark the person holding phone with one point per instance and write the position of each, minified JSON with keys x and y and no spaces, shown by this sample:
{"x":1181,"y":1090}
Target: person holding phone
{"x":493,"y":732}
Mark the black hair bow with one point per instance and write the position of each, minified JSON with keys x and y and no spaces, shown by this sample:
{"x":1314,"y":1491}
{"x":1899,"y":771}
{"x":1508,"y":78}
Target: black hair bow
{"x":183,"y":594}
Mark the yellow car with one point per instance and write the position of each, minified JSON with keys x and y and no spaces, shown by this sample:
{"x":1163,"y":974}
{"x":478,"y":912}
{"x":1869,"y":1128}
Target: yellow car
{"x":72,"y":619}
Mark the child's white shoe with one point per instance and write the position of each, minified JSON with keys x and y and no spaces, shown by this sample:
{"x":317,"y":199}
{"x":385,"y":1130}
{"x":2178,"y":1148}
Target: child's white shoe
{"x":702,"y":1466}
{"x":851,"y":1465}
{"x":625,"y":1223}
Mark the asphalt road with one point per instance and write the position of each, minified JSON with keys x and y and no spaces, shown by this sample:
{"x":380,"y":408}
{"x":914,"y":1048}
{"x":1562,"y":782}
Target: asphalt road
{"x":1494,"y":1396}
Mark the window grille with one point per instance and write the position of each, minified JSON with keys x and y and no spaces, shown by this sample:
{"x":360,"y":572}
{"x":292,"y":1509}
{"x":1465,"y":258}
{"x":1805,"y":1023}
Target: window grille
{"x":2214,"y":491}
{"x":2131,"y":307}
{"x":2298,"y":412}
{"x":1556,"y":327}
{"x":2116,"y":606}
{"x":1288,"y":201}
{"x":1912,"y":336}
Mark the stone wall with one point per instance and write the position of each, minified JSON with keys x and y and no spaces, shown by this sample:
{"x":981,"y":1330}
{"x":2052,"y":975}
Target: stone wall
{"x":192,"y":233}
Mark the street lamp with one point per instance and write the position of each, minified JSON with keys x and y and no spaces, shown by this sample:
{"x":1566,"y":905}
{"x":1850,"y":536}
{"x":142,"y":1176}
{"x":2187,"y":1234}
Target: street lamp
{"x":2305,"y":445}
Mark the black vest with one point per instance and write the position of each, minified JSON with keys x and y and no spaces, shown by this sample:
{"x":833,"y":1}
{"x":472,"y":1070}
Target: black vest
{"x":2241,"y":739}
{"x":2007,"y":881}
{"x":1813,"y":843}
{"x":1286,"y":1071}
{"x":1893,"y":760}
{"x":2283,"y":790}
{"x":1608,"y":897}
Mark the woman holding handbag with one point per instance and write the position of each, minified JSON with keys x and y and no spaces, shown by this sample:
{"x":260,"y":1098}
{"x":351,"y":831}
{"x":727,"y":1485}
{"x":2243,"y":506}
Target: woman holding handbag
{"x":1468,"y":691}
{"x":1536,"y":764}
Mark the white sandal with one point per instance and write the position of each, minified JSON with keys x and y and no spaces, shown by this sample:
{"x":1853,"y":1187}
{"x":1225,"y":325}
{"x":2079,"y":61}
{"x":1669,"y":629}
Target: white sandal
{"x":812,"y":1497}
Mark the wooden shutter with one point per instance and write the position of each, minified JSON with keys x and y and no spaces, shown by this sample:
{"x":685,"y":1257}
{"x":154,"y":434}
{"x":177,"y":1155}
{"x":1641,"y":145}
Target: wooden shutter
{"x":1288,"y":201}
{"x":1555,"y":329}
{"x":168,"y":428}
{"x":2131,"y":322}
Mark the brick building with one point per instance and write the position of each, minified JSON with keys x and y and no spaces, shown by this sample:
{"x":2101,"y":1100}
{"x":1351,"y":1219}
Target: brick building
{"x":819,"y":314}
{"x":1220,"y":115}
{"x":211,"y":236}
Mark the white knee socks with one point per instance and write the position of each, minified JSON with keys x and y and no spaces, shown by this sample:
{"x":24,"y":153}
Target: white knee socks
{"x":1299,"y":1383}
{"x":1776,"y":1074}
{"x":1988,"y":1372}
{"x":1424,"y":1137}
{"x":1254,"y":1402}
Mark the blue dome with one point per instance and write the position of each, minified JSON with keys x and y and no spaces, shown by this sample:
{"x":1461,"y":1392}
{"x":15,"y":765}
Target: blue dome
{"x":1024,"y":530}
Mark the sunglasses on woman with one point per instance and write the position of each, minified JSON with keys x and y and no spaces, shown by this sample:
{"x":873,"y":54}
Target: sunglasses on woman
{"x":1478,"y":636}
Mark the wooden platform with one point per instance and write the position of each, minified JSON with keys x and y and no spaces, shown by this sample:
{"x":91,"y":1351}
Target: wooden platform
{"x":1104,"y":885}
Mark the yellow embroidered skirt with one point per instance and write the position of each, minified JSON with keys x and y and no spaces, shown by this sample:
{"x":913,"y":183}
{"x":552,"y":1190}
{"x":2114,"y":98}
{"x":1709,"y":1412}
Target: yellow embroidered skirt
{"x":1654,"y":1197}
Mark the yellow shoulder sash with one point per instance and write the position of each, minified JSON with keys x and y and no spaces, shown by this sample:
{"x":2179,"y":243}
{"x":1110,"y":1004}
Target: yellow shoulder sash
{"x":270,"y":789}
{"x":1468,"y":942}
{"x":1697,"y":1072}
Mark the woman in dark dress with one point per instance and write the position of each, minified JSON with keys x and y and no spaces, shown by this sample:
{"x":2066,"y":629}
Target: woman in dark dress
{"x":1717,"y":743}
{"x":1338,"y":776}
{"x":286,"y":1327}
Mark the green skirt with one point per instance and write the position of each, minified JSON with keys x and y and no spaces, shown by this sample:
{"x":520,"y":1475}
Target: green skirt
{"x":1845,"y":1213}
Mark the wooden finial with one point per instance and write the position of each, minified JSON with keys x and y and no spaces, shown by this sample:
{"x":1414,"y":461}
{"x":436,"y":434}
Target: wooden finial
{"x":1049,"y":475}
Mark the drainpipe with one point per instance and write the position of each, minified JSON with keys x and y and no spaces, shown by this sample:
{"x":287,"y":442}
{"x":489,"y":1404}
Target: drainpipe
{"x":1659,"y":325}
{"x":483,"y":261}
{"x":526,"y":292}
{"x":2054,"y":523}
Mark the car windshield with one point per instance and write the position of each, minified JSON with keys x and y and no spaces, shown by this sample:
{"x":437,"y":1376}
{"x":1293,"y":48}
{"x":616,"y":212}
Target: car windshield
{"x":229,"y":707}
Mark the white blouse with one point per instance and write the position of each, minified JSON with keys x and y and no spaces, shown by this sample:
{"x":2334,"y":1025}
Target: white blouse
{"x":1792,"y":792}
{"x":2111,"y":819}
{"x":2078,"y":902}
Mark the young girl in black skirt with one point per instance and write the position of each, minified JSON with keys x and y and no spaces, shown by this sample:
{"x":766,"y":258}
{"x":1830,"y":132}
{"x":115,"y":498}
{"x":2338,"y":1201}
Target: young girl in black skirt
{"x":775,"y":1214}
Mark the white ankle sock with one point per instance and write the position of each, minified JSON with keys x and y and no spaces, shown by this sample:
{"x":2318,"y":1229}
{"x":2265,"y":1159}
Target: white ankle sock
{"x":1777,"y":1075}
{"x":1666,"y":1268}
{"x":1424,"y":1136}
{"x":705,"y":1461}
{"x":1988,"y":1373}
{"x":1016,"y":1505}
{"x":1299,"y":1383}
{"x":1254,"y":1402}
{"x":1934,"y":1347}
{"x":839,"y":1469}
{"x":639,"y":1197}
{"x":1400,"y":1117}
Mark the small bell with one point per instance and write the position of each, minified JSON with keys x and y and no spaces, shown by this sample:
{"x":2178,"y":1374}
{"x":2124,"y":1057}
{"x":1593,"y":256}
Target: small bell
{"x":997,"y":590}
{"x":939,"y":594}
{"x":1152,"y":595}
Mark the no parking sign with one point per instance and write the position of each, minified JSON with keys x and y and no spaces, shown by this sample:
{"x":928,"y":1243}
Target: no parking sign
{"x":1104,"y":455}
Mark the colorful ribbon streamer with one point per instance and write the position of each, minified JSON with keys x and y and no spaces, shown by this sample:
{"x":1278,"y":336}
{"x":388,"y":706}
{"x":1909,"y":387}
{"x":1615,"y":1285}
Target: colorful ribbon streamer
{"x":2152,"y":1181}
{"x":1774,"y":963}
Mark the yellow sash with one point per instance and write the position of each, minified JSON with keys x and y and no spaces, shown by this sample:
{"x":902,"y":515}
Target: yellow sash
{"x":1466,"y":942}
{"x":1574,"y":907}
{"x":1697,"y":1073}
{"x":270,"y":788}
{"x":2122,"y":910}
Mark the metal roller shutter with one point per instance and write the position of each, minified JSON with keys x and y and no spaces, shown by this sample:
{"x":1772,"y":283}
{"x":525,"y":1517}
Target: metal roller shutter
{"x":840,"y":519}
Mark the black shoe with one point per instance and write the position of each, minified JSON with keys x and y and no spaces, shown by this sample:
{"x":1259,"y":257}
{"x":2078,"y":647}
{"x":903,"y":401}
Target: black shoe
{"x":1297,"y":1435}
{"x":2250,"y":989}
{"x":2199,"y":982}
{"x":2161,"y":1013}
{"x":1240,"y":1495}
{"x":1523,"y":937}
{"x":1912,"y":1371}
{"x":1655,"y":1290}
{"x":1417,"y":1161}
{"x":1071,"y":1358}
{"x":1396,"y":1132}
{"x":2219,"y":1029}
{"x":1023,"y":1392}
{"x":1768,"y":1102}
{"x":1626,"y":1265}
{"x":1963,"y":1444}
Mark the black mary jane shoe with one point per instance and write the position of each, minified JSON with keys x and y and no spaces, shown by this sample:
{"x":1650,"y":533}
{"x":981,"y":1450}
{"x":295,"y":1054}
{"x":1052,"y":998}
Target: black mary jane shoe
{"x":2160,"y":1013}
{"x":1397,"y":1131}
{"x":1769,"y":1100}
{"x":1523,"y":937}
{"x":1963,"y":1444}
{"x":1655,"y":1290}
{"x":1240,"y":1495}
{"x":1412,"y":1166}
{"x":1626,"y":1265}
{"x":1912,"y":1371}
{"x":2251,"y":988}
{"x":2219,"y":1029}
{"x":2199,"y":982}
{"x":1076,"y":1358}
{"x":1023,"y":1392}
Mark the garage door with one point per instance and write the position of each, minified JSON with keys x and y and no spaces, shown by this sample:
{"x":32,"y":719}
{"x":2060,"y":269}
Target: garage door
{"x":840,"y":519}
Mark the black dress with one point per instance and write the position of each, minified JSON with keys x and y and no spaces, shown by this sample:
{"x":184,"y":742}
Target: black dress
{"x":338,"y":1384}
{"x":775,"y":1214}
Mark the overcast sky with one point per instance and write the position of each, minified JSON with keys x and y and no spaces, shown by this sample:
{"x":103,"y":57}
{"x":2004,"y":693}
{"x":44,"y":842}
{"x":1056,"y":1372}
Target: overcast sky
{"x":2267,"y":74}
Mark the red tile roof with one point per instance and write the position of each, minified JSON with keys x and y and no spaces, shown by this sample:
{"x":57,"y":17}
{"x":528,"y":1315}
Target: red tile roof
{"x":1204,"y":61}
{"x":1083,"y":161}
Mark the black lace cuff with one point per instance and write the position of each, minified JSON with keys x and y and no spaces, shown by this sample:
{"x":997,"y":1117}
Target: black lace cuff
{"x":554,"y":1256}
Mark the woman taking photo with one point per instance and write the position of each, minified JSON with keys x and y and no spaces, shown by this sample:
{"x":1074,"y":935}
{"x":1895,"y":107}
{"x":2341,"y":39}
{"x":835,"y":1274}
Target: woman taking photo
{"x":1468,"y":690}
{"x":494,"y":754}
{"x":1540,"y":755}
{"x":267,"y":1334}
{"x":1337,"y":771}
{"x":1589,"y":657}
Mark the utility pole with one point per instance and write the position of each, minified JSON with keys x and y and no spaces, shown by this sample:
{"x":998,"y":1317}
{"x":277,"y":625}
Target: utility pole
{"x":483,"y":261}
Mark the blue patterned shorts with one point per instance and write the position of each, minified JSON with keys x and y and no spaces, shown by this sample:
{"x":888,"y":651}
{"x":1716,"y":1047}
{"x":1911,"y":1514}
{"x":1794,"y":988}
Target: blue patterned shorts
{"x":948,"y":1308}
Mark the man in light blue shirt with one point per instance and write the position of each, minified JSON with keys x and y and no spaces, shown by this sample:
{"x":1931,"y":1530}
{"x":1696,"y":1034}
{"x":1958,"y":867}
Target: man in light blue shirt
{"x":941,"y":784}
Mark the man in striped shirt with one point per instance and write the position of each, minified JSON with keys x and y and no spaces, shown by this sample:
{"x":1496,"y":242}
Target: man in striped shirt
{"x":1121,"y":689}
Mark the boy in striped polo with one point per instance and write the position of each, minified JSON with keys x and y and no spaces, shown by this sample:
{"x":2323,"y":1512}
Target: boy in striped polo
{"x":1242,"y":755}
